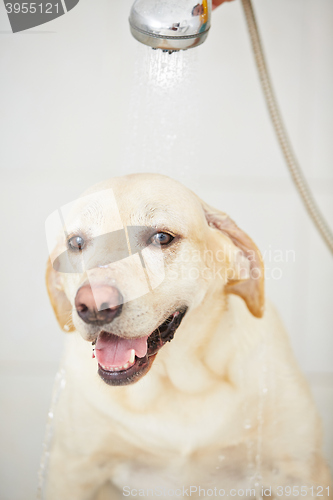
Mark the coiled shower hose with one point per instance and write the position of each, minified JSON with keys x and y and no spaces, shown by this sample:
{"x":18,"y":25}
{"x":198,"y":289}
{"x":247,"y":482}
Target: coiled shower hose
{"x":292,"y":163}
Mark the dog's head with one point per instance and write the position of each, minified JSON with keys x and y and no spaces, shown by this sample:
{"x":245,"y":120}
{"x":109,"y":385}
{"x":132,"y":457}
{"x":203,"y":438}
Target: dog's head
{"x":135,"y":256}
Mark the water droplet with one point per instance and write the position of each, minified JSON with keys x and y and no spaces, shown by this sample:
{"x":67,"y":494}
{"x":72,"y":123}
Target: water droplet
{"x":221,"y":457}
{"x":247,"y":424}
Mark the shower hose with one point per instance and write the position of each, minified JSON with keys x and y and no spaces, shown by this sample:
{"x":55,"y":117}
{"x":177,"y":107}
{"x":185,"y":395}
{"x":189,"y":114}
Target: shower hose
{"x":292,"y":163}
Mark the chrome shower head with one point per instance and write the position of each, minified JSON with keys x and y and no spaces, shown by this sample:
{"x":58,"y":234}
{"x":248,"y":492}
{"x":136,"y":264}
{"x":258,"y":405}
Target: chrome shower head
{"x":170,"y":25}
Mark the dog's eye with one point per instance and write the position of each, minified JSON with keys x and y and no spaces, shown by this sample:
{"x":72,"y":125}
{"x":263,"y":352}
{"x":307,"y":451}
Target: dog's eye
{"x":76,"y":243}
{"x":161,"y":239}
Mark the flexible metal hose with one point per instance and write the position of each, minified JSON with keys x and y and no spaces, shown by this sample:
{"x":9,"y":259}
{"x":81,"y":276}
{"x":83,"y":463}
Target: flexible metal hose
{"x":293,"y":166}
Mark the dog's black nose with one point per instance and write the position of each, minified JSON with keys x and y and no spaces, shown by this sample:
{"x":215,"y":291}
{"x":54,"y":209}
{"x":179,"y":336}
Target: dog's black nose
{"x":98,"y":305}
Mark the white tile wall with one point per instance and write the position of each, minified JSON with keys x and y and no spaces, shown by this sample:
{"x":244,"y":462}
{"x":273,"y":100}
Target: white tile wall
{"x":64,"y":118}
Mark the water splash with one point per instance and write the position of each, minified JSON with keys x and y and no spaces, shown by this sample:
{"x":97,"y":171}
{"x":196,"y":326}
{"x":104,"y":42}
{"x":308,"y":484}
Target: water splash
{"x":248,"y":425}
{"x":262,"y":389}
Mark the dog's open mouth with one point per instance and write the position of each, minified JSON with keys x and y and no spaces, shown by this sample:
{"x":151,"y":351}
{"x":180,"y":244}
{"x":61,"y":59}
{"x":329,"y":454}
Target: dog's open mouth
{"x":123,"y":361}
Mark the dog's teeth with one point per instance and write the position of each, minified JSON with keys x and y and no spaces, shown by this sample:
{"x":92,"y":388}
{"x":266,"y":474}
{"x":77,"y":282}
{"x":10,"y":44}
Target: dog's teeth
{"x":132,"y":357}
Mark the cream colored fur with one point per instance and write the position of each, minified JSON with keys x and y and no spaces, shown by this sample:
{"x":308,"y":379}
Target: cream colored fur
{"x":224,"y":404}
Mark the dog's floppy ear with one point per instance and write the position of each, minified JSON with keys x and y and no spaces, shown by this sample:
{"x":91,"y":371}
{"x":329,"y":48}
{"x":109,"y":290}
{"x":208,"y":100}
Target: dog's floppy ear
{"x":251,"y":289}
{"x":61,"y":305}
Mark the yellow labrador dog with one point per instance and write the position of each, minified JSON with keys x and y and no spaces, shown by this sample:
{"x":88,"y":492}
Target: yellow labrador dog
{"x":180,"y":381}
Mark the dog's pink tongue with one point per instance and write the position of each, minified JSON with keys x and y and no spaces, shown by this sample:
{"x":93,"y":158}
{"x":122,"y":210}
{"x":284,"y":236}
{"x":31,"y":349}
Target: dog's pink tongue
{"x":115,"y":351}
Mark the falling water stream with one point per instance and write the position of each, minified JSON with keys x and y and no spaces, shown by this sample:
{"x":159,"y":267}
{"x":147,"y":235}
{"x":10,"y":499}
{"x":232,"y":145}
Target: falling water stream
{"x":58,"y":386}
{"x":161,"y":136}
{"x":253,"y":421}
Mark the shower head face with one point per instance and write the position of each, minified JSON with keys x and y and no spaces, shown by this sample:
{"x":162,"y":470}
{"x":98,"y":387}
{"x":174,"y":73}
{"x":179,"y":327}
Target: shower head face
{"x":170,"y":24}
